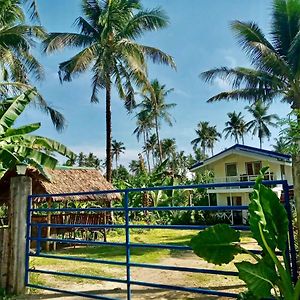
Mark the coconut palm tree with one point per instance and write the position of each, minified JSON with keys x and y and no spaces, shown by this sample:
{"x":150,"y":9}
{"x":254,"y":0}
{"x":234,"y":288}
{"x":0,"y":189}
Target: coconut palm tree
{"x":235,"y":127}
{"x":154,"y":104}
{"x":18,"y":145}
{"x":144,"y":125}
{"x":259,"y":125}
{"x":168,"y":147}
{"x":280,"y":145}
{"x":17,"y":63}
{"x":134,"y":167}
{"x":107,"y":36}
{"x":117,"y":149}
{"x":202,"y":133}
{"x":212,"y":138}
{"x":275,"y":67}
{"x":151,"y":145}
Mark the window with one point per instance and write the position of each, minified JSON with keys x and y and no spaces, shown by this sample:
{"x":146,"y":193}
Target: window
{"x":231,"y":169}
{"x":253,"y":167}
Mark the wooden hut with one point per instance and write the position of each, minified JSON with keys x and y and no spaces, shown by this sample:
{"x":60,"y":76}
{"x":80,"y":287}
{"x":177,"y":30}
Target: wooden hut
{"x":66,"y":180}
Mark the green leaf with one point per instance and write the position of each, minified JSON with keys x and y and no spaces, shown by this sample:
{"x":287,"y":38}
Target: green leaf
{"x":217,"y":244}
{"x":259,"y":277}
{"x":22,"y":130}
{"x":247,"y":296}
{"x":265,"y":209}
{"x":10,"y":109}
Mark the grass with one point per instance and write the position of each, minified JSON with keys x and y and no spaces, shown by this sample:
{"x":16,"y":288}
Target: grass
{"x":117,"y":253}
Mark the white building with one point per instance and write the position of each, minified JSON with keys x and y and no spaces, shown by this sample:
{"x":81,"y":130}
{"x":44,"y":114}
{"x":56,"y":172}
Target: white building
{"x":242,"y":163}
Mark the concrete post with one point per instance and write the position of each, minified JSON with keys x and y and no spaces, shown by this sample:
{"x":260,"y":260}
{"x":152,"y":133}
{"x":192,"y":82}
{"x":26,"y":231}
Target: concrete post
{"x":20,"y":188}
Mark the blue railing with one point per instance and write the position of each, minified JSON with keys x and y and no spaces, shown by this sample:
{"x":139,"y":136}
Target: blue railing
{"x":128,"y":245}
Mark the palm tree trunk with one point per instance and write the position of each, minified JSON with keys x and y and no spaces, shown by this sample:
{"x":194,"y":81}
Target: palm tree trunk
{"x":147,"y":151}
{"x":243,"y":141}
{"x":296,"y":182}
{"x":108,"y":130}
{"x":236,"y":139}
{"x":260,"y":142}
{"x":158,"y":140}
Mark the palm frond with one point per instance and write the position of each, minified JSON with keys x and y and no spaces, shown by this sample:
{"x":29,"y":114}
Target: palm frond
{"x":57,"y":41}
{"x":158,"y":56}
{"x":245,"y":94}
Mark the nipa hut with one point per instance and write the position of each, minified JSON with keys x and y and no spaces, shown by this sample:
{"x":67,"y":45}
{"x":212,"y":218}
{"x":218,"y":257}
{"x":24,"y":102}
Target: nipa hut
{"x":66,"y":180}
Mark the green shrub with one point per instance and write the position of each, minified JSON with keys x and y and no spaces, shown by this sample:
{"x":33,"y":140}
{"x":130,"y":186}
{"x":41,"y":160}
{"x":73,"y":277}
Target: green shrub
{"x":268,"y":276}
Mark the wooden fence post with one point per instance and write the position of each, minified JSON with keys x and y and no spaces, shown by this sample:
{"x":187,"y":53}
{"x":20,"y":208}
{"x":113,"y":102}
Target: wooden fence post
{"x":20,"y":188}
{"x":3,"y":256}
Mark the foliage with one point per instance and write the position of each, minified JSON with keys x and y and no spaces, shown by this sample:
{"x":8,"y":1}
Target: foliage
{"x":120,"y":173}
{"x":17,"y":145}
{"x":155,"y":108}
{"x":107,"y":38}
{"x":206,"y":137}
{"x":85,"y":160}
{"x":269,"y":226}
{"x":118,"y":148}
{"x":235,"y":127}
{"x":289,"y":136}
{"x":18,"y":64}
{"x":259,"y":125}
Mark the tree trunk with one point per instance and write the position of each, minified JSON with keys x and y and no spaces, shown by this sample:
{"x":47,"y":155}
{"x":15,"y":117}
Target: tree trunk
{"x":296,"y":181}
{"x":243,"y":141}
{"x":108,"y":131}
{"x":260,"y":142}
{"x":158,"y":140}
{"x":147,"y":151}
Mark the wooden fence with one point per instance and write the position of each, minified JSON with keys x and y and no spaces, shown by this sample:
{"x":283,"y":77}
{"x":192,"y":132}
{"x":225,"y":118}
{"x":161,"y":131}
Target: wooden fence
{"x":3,"y":256}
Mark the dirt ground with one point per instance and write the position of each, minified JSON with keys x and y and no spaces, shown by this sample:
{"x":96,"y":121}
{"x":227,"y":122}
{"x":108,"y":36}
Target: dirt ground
{"x":118,"y":290}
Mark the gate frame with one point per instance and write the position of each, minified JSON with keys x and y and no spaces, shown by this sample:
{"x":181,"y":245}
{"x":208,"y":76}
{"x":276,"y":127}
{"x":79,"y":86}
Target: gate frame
{"x":291,"y":251}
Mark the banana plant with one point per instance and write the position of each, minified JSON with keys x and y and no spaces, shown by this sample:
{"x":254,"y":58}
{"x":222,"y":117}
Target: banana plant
{"x":268,"y":277}
{"x":18,"y":145}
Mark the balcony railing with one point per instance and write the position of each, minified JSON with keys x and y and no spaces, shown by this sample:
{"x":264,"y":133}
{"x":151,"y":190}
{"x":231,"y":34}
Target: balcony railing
{"x":239,"y":178}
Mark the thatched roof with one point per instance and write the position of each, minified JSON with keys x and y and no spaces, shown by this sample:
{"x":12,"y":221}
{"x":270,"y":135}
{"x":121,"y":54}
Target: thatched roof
{"x":66,"y":180}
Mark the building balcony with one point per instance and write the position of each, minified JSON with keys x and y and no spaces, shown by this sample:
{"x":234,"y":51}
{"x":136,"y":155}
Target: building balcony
{"x":238,"y":178}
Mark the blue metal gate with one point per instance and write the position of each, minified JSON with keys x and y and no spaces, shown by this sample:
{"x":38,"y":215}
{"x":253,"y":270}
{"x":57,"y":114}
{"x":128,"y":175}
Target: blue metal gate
{"x":126,"y":210}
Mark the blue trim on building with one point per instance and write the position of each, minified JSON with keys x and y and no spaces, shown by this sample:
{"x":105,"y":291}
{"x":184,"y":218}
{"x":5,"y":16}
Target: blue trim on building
{"x":249,"y":149}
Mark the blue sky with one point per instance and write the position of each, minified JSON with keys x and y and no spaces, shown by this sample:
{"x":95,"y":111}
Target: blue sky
{"x":198,"y":37}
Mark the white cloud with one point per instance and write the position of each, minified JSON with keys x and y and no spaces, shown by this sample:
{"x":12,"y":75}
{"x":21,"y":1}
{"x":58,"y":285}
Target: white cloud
{"x":222,"y":84}
{"x":232,"y":62}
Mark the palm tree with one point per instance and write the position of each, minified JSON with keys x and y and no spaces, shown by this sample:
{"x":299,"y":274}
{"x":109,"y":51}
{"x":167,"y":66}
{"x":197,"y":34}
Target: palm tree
{"x":117,"y":149}
{"x":107,"y":38}
{"x":154,"y":104}
{"x":17,"y":64}
{"x":18,"y":145}
{"x":168,"y":147}
{"x":212,"y":138}
{"x":144,"y":125}
{"x":150,"y":146}
{"x":134,"y":167}
{"x":202,"y":133}
{"x":280,"y":145}
{"x":275,"y":67}
{"x":235,"y":127}
{"x":259,"y":125}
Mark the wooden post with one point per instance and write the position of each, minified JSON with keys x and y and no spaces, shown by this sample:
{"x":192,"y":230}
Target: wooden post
{"x":20,"y":188}
{"x":3,"y":256}
{"x":48,"y":229}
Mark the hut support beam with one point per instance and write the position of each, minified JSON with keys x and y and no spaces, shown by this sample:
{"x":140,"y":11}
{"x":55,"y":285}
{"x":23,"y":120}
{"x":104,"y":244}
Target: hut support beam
{"x":49,"y":202}
{"x":20,"y":188}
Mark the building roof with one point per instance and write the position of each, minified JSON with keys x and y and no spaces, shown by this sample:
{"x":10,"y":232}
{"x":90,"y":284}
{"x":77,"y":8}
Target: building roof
{"x":244,"y":150}
{"x":66,"y":180}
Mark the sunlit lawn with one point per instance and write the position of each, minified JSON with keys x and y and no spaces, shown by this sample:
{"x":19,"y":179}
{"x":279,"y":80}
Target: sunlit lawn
{"x":115,"y":253}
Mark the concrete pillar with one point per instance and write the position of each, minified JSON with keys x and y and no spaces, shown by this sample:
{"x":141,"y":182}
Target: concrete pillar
{"x":20,"y":188}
